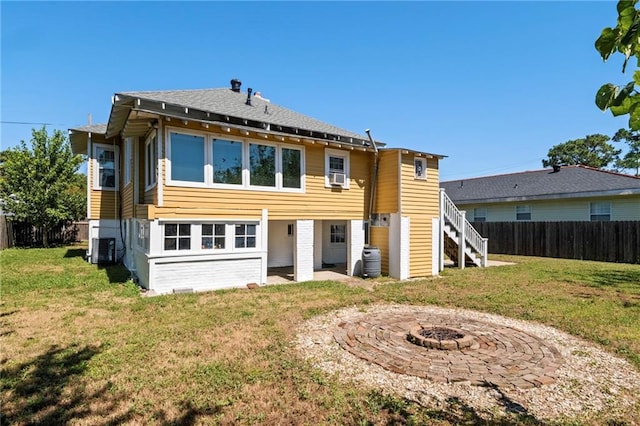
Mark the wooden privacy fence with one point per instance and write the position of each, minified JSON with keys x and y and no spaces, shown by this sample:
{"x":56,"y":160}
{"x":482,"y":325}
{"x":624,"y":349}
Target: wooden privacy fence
{"x":24,"y":234}
{"x":603,"y":241}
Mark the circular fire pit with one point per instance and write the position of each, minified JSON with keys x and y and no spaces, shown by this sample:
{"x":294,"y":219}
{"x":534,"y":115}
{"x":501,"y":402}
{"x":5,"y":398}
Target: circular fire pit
{"x":439,"y":337}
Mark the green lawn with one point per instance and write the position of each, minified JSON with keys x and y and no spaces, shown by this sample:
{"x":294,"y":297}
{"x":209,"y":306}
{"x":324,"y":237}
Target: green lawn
{"x":79,"y":344}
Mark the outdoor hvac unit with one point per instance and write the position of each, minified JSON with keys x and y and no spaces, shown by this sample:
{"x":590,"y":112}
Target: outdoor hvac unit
{"x":337,"y":179}
{"x":103,"y":250}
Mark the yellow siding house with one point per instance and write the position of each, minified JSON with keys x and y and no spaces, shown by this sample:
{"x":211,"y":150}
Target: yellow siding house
{"x":198,"y":190}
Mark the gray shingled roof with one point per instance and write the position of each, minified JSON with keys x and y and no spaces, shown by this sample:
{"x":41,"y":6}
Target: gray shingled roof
{"x":569,"y":182}
{"x":92,"y":128}
{"x":227,"y":102}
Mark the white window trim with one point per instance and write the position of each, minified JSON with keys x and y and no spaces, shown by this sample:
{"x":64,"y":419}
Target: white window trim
{"x":591,"y":214}
{"x":528,"y":206}
{"x":476,"y":217}
{"x":128,"y":151}
{"x":96,"y":166}
{"x":148,"y":173}
{"x":246,"y":185}
{"x":205,"y":155}
{"x":423,"y":163}
{"x":329,"y":152}
{"x":196,"y":237}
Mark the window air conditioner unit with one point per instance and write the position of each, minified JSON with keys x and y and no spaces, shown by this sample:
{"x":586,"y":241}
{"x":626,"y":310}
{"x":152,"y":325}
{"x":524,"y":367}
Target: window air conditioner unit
{"x":103,"y":250}
{"x":337,"y":179}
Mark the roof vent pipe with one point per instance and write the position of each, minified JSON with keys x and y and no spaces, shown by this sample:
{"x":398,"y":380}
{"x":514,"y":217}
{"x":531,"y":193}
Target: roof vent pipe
{"x":556,"y":168}
{"x":235,"y":85}
{"x":249,"y":90}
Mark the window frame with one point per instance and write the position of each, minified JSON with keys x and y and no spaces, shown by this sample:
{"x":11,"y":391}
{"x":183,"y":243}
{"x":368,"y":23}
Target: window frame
{"x":422,"y":162}
{"x":197,"y":235}
{"x":96,"y":166}
{"x":150,"y":162}
{"x":128,"y":155}
{"x":338,"y":230}
{"x":528,"y":209}
{"x":336,"y":153}
{"x":245,"y":236}
{"x":477,"y":217}
{"x":209,"y":142}
{"x":214,"y":236}
{"x":593,"y":204}
{"x":206,"y":155}
{"x":177,"y":237}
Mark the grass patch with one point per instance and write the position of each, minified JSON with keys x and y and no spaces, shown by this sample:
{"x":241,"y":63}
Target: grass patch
{"x":80,"y":345}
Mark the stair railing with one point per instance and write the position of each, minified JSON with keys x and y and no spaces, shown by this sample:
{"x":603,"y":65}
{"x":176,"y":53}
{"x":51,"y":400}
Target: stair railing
{"x":457,"y":220}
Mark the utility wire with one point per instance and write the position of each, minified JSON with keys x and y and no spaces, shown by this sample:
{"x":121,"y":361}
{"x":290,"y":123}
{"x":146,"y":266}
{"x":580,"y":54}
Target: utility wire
{"x":30,"y":123}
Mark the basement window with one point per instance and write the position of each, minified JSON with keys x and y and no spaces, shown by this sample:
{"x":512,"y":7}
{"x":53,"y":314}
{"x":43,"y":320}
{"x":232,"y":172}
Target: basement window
{"x":177,"y":236}
{"x":245,"y":235}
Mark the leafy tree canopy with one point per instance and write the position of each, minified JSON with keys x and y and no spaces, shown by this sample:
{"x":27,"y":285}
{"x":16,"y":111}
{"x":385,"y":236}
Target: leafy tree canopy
{"x":592,"y":150}
{"x":40,"y":183}
{"x":624,"y":38}
{"x":631,"y":159}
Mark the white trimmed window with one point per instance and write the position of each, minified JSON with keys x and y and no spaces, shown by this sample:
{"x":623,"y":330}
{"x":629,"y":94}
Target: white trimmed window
{"x":336,"y":168}
{"x":338,"y":234}
{"x":480,"y":214}
{"x":600,"y":211}
{"x":105,"y":170}
{"x":245,"y":235}
{"x":523,"y":212}
{"x":187,"y":158}
{"x":143,"y":235}
{"x":128,"y":154}
{"x":201,"y":160}
{"x":177,"y":236}
{"x":150,"y":162}
{"x":214,"y":236}
{"x":420,"y":168}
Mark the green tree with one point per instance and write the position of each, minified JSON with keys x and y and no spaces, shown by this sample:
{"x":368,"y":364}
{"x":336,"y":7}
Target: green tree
{"x":592,"y":150}
{"x":37,"y":182}
{"x":631,"y":159}
{"x":624,"y":39}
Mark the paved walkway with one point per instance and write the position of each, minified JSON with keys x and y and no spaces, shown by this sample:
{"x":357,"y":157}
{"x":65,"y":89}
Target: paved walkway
{"x":499,"y":355}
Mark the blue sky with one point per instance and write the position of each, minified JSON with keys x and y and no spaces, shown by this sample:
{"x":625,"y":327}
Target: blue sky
{"x":492,"y":85}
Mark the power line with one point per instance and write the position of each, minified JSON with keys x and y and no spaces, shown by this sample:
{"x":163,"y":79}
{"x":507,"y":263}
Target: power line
{"x":30,"y":123}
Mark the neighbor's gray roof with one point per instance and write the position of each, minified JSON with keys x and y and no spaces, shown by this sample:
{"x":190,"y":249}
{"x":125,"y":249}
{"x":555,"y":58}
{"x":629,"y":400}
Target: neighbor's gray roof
{"x":92,"y":128}
{"x":569,"y":182}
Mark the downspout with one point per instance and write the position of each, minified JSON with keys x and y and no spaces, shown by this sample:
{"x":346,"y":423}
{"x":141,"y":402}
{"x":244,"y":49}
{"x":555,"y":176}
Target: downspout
{"x":373,"y":182}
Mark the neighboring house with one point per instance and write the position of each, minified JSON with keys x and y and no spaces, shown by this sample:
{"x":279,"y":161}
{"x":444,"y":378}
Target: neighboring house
{"x":206,"y":189}
{"x":568,"y":193}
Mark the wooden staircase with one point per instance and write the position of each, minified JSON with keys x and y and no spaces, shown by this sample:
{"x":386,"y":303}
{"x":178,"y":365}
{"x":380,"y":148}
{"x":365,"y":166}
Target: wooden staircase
{"x":460,"y":239}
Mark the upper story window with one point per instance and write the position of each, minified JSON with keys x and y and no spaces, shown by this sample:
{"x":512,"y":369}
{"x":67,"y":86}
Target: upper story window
{"x":150,"y":162}
{"x":600,"y":210}
{"x":336,"y":168}
{"x":128,"y":154}
{"x":105,"y":176}
{"x":262,"y":165}
{"x":198,"y":159}
{"x":291,"y":168}
{"x":420,"y":168}
{"x":480,"y":214}
{"x":523,"y":212}
{"x":187,"y":157}
{"x":227,"y":162}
